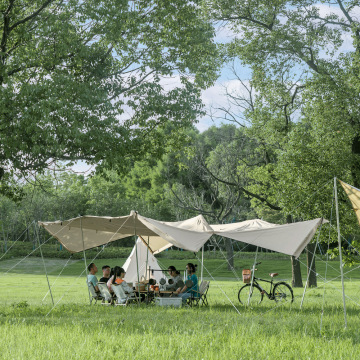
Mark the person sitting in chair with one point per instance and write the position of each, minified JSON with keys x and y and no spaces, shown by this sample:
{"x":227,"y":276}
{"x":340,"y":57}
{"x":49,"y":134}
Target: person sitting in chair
{"x":91,"y":278}
{"x":186,"y":291}
{"x":106,"y":274}
{"x":175,"y":278}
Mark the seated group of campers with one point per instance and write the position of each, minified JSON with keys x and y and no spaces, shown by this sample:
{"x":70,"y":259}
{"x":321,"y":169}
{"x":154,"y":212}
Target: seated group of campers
{"x":112,"y":276}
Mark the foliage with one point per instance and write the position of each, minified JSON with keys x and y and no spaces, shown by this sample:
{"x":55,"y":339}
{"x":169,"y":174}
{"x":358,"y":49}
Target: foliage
{"x":89,"y":80}
{"x":208,"y":182}
{"x":299,"y":105}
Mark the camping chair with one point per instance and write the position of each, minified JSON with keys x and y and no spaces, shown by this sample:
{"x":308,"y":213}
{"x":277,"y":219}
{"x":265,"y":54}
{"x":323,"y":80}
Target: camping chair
{"x":123,"y":298}
{"x":94,"y":295}
{"x":105,"y":293}
{"x":200,"y":295}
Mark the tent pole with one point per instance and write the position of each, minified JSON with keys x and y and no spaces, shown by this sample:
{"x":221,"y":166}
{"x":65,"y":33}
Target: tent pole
{"x":47,"y":278}
{"x":202,"y":262}
{"x":252,"y":275}
{"x":86,"y":270}
{"x":340,"y":251}
{"x":137,"y":260}
{"x":147,"y":260}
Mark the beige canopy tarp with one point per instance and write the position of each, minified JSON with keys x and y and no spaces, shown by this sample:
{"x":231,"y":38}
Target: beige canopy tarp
{"x":354,"y":196}
{"x":289,"y":239}
{"x":87,"y":232}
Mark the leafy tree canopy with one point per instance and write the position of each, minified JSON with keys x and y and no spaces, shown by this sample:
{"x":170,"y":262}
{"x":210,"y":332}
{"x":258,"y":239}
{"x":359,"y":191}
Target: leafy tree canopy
{"x":93,"y":80}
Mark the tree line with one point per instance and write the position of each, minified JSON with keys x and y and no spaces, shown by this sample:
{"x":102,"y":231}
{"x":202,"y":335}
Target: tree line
{"x":118,"y":84}
{"x":212,"y":175}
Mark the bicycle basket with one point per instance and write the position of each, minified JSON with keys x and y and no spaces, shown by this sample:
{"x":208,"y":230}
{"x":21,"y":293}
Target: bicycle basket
{"x":246,"y":273}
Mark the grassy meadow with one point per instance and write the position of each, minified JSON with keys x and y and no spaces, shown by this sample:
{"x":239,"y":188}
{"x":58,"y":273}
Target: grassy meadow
{"x":32,"y":327}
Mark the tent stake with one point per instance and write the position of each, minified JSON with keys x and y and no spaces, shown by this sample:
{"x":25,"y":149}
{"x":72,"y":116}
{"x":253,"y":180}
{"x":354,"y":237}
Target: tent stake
{"x":42,"y":256}
{"x":340,"y":251}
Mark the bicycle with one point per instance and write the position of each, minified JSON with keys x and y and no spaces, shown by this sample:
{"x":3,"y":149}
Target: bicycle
{"x":253,"y":293}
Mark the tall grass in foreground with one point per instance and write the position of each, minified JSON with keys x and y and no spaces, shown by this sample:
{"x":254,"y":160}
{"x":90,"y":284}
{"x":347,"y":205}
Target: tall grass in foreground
{"x":32,"y":328}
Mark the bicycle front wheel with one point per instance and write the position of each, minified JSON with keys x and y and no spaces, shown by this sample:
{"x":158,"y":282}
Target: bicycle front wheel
{"x":250,"y":295}
{"x":283,"y":293}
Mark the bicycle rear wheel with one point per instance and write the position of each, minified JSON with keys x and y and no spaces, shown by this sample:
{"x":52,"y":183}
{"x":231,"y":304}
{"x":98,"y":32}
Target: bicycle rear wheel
{"x":251,"y":296}
{"x":283,"y":293}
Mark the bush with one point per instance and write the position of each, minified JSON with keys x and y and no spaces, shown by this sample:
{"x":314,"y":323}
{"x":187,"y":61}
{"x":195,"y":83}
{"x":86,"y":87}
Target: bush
{"x":22,"y":249}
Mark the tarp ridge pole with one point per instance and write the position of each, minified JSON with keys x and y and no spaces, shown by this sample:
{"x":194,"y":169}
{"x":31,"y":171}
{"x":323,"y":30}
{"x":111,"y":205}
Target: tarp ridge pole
{"x":340,"y":251}
{"x":327,"y":260}
{"x":42,"y":256}
{"x":136,"y":252}
{"x":86,"y":270}
{"x":147,"y":260}
{"x":202,"y":263}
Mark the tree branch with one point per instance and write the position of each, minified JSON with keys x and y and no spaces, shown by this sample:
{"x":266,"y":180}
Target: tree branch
{"x":33,"y":15}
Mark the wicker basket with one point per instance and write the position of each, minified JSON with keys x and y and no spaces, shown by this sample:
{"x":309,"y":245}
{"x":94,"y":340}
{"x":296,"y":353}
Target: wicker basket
{"x":246,"y":273}
{"x":140,"y":287}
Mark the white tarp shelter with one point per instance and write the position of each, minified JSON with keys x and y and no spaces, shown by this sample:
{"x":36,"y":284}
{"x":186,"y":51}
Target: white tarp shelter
{"x":146,"y":260}
{"x":87,"y":232}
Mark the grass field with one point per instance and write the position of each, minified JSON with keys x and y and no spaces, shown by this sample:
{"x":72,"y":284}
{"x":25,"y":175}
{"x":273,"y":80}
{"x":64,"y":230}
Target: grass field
{"x":32,"y":328}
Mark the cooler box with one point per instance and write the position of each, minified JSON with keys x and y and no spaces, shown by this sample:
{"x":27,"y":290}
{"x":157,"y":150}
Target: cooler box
{"x":168,"y":301}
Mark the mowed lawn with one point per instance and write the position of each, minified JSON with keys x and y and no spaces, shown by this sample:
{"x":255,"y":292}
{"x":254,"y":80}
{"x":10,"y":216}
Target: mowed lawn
{"x":33,"y":328}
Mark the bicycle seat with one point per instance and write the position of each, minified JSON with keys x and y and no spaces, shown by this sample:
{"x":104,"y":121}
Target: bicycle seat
{"x":273,"y":274}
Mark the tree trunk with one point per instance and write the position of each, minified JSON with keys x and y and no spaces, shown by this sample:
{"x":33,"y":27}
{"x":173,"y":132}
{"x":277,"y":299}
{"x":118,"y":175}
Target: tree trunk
{"x":296,"y":273}
{"x":229,"y":254}
{"x":310,"y":251}
{"x":295,"y":265}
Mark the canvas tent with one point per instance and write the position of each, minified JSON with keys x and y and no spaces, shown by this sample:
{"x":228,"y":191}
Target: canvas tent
{"x":87,"y":232}
{"x":140,"y":255}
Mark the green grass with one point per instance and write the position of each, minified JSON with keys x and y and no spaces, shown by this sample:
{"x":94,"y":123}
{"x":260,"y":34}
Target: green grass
{"x":32,"y":328}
